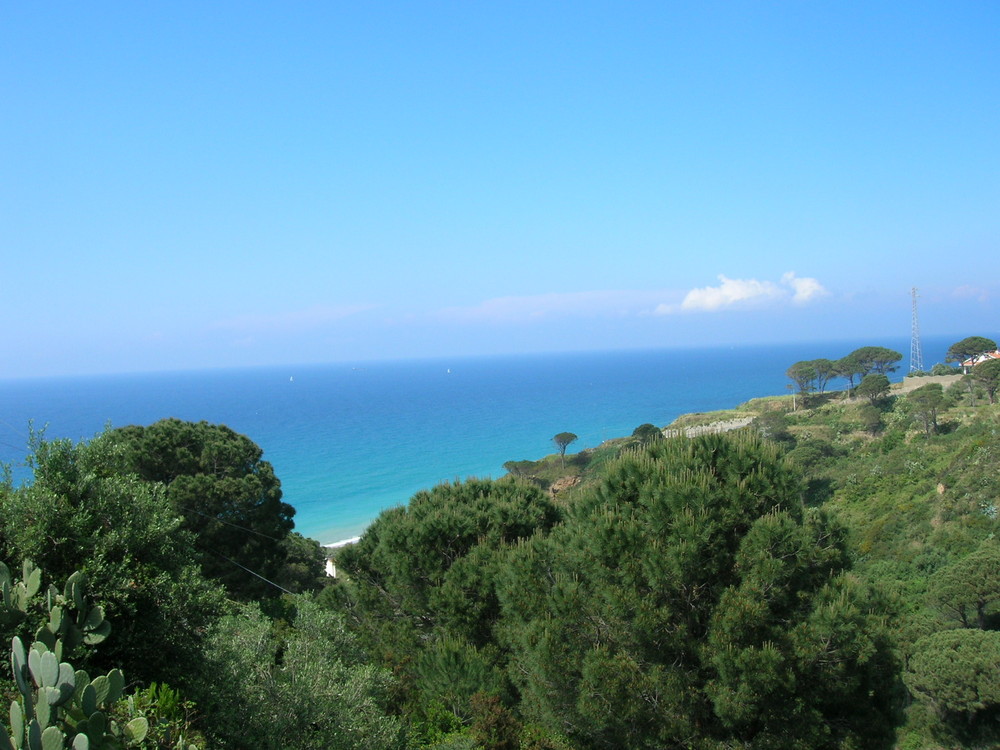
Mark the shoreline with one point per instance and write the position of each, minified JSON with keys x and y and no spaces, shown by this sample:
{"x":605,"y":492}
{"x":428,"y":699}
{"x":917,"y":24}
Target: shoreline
{"x":906,"y":384}
{"x":342,"y":543}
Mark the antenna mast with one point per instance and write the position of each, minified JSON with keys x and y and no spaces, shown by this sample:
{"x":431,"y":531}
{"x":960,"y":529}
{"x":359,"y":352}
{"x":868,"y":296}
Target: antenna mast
{"x":916,"y":356}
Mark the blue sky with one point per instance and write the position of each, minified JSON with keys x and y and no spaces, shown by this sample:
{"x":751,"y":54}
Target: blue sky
{"x":189,"y":185}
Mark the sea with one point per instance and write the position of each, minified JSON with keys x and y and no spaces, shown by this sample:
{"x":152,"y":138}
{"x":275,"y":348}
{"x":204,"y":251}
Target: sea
{"x":348,"y":440}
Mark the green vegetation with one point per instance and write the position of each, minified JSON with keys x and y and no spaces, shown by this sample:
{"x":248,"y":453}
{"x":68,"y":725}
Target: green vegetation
{"x":639,"y":622}
{"x":969,"y":347}
{"x":647,"y":433}
{"x":924,"y":403}
{"x":141,"y":599}
{"x":58,"y":706}
{"x":820,"y":577}
{"x":217,"y":482}
{"x":815,"y":374}
{"x":873,"y":387}
{"x":850,"y":367}
{"x":877,"y":359}
{"x":987,"y":376}
{"x":803,"y":374}
{"x":562,"y":441}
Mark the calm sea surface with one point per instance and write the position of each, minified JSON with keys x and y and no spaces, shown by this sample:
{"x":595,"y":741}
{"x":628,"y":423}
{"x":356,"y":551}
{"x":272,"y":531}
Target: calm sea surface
{"x":348,"y":441}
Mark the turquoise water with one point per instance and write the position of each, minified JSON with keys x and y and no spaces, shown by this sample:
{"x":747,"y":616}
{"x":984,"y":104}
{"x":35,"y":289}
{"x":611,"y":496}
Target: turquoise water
{"x":350,"y":440}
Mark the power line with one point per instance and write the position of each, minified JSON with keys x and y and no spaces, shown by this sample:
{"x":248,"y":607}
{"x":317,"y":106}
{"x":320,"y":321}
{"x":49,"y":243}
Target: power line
{"x":251,"y":572}
{"x":228,"y":523}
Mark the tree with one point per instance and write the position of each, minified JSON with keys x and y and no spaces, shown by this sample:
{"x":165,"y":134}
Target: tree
{"x":969,"y":347}
{"x":987,"y":374}
{"x":303,"y":567}
{"x":562,"y":440}
{"x":925,"y":402}
{"x":773,"y":425}
{"x":494,"y":728}
{"x":850,"y":367}
{"x":647,"y":432}
{"x":423,"y":579}
{"x":141,"y":565}
{"x":969,"y":589}
{"x":874,"y":387}
{"x":307,"y":686}
{"x":876,"y":359}
{"x":957,"y":672}
{"x":691,"y":600}
{"x":971,"y":387}
{"x":825,"y":369}
{"x":520,"y":468}
{"x":217,"y":480}
{"x":802,"y":374}
{"x":428,"y":560}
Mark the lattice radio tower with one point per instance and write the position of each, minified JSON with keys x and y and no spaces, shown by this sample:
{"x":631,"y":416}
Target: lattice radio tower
{"x":916,"y":356}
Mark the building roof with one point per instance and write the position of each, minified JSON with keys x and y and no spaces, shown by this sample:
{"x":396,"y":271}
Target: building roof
{"x":979,"y":358}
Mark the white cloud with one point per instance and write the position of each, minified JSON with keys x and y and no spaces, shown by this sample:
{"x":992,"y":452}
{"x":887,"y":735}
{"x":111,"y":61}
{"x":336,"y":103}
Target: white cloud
{"x":805,"y":289}
{"x":730,"y":292}
{"x":744,"y":293}
{"x":636,"y":303}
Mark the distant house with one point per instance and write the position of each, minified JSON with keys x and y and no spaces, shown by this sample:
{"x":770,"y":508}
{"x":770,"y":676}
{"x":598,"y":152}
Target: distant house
{"x":971,"y":362}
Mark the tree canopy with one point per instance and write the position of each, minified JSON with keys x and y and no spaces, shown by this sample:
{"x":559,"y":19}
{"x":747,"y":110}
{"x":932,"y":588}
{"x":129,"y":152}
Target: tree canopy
{"x":310,"y":688}
{"x":802,"y":374}
{"x":969,"y":347}
{"x":562,"y":441}
{"x":957,"y":672}
{"x":969,"y":589}
{"x":874,"y":387}
{"x":647,"y":432}
{"x":925,"y":402}
{"x":692,"y":596}
{"x":424,"y":577}
{"x":300,"y":683}
{"x":825,"y":369}
{"x":987,"y":375}
{"x":81,"y":513}
{"x":876,"y":359}
{"x":217,"y":480}
{"x":850,"y":367}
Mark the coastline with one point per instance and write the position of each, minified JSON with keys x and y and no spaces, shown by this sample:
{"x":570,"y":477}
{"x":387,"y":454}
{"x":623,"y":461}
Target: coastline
{"x":342,"y":543}
{"x":725,"y":425}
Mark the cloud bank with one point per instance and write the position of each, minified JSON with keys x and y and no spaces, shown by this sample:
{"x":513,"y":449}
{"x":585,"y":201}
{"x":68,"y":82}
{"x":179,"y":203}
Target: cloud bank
{"x":730,"y":293}
{"x":747,"y":293}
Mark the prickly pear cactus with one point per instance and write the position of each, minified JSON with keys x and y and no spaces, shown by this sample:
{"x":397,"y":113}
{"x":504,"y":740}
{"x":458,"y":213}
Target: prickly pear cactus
{"x":70,"y":619}
{"x":59,"y":707}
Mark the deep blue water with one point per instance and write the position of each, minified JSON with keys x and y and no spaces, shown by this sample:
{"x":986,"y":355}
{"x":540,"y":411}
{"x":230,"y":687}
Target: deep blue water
{"x":348,"y":441}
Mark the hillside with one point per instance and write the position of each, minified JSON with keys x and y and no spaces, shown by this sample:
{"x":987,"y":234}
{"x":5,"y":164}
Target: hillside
{"x":818,"y":572}
{"x":912,"y":477}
